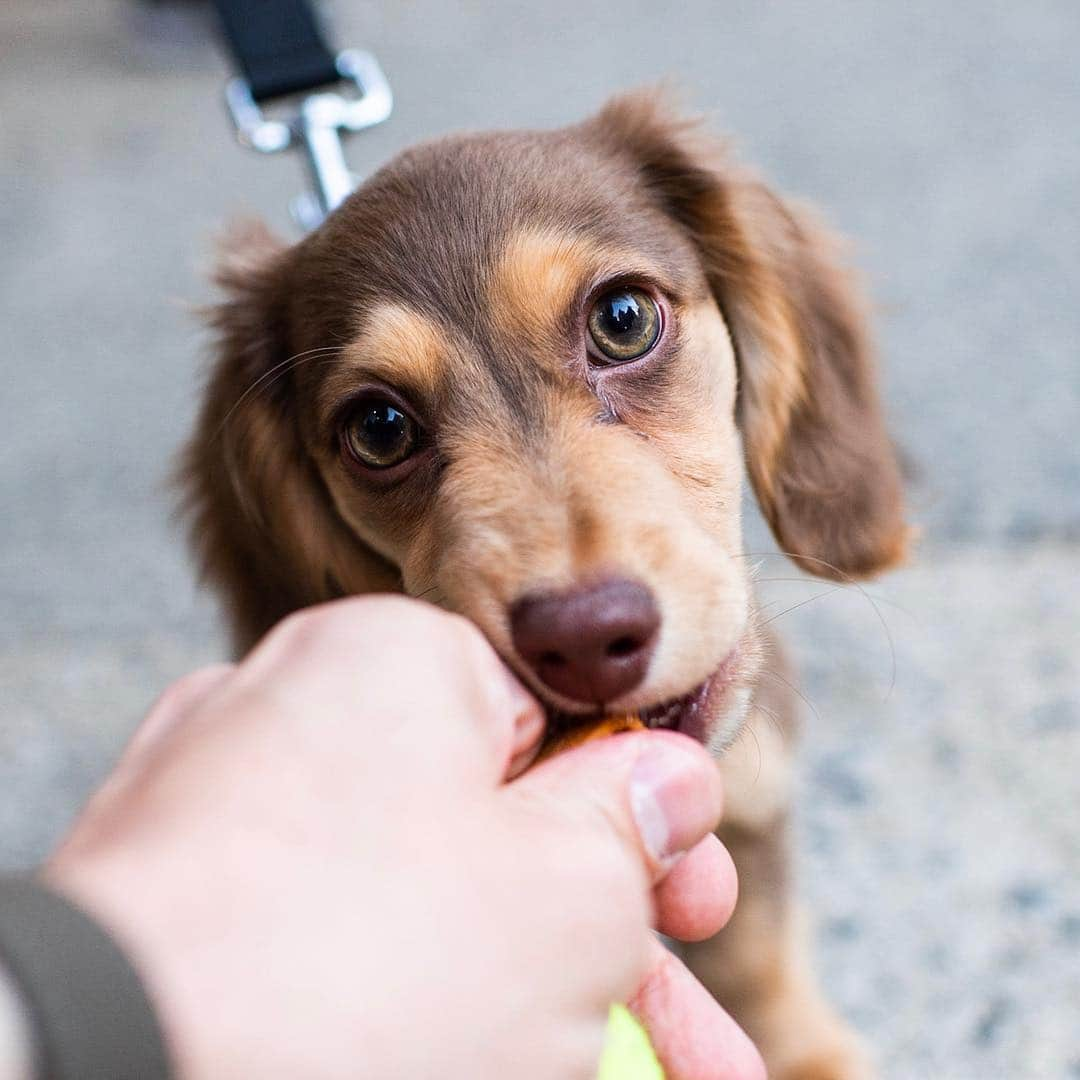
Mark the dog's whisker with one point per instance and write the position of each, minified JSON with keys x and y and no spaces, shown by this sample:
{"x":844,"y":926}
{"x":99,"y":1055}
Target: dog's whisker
{"x":748,"y":729}
{"x":232,"y":469}
{"x":798,"y":580}
{"x":794,"y":689}
{"x":847,"y":579}
{"x":843,"y":584}
{"x":763,"y":607}
{"x":268,"y":376}
{"x":773,"y":718}
{"x":801,"y":603}
{"x":432,"y":594}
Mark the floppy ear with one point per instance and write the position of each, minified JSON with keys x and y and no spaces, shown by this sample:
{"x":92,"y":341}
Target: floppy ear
{"x":262,"y":524}
{"x":818,"y":455}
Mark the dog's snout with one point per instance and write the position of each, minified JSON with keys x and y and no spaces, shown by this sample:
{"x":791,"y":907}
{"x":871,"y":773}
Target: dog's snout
{"x":591,"y":644}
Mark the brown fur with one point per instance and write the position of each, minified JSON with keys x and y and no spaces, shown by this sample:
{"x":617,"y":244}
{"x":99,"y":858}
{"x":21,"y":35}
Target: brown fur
{"x":460,"y":276}
{"x":817,"y":453}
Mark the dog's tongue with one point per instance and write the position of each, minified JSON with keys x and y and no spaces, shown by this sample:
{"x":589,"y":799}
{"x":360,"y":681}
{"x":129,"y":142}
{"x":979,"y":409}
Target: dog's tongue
{"x":557,"y":742}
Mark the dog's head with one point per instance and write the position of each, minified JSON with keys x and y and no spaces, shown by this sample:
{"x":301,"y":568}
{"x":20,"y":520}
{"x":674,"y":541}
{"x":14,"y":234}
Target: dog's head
{"x":520,"y":374}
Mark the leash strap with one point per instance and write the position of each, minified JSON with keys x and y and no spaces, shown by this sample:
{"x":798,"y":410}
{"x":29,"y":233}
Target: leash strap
{"x":278,"y":46}
{"x":281,"y":51}
{"x":90,"y":1014}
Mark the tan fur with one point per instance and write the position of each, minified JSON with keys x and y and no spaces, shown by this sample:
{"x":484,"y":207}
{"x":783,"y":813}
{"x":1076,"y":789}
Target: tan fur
{"x":758,"y":776}
{"x":458,"y":277}
{"x":397,"y":345}
{"x":404,"y":348}
{"x":540,"y":270}
{"x":760,"y":965}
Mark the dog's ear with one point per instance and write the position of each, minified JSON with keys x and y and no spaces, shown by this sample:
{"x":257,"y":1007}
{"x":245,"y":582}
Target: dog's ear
{"x":818,"y":455}
{"x":262,"y":523}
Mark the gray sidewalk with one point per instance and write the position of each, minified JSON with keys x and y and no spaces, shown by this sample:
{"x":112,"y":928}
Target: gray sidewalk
{"x":941,"y":841}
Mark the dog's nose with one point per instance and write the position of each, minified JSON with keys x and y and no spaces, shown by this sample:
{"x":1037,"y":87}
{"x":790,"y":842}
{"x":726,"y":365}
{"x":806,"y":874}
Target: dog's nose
{"x":591,"y":645}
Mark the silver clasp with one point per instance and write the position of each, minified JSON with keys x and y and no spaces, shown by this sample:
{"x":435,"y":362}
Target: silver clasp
{"x":317,"y":127}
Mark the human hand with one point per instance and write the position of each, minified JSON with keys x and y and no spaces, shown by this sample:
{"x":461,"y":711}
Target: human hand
{"x":315,"y":863}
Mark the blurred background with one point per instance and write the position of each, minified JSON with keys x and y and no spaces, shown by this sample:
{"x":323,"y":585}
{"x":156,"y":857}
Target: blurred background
{"x":939,"y":842}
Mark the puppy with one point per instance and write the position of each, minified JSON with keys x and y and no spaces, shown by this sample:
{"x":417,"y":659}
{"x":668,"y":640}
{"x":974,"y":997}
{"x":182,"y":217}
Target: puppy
{"x":522,"y":375}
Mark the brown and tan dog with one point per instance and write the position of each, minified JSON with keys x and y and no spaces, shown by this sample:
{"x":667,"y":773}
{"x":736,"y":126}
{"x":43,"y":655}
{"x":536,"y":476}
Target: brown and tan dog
{"x":521,"y":375}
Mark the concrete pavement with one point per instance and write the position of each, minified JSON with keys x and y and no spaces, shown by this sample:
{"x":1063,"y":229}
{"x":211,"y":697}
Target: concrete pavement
{"x":940,"y":843}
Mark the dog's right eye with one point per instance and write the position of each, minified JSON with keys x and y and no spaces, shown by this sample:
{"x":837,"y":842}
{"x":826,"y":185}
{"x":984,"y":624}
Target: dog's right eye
{"x":379,"y":435}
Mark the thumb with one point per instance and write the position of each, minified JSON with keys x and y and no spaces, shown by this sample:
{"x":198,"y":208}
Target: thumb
{"x":659,"y":790}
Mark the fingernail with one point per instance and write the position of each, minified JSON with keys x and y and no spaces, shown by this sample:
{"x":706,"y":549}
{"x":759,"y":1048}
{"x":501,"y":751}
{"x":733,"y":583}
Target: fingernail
{"x":675,"y":799}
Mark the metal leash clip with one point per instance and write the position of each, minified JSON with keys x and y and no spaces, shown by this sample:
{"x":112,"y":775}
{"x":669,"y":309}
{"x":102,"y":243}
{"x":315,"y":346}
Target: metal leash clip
{"x":317,"y":126}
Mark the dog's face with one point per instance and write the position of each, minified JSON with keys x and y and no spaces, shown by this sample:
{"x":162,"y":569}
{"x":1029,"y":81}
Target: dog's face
{"x":504,"y":376}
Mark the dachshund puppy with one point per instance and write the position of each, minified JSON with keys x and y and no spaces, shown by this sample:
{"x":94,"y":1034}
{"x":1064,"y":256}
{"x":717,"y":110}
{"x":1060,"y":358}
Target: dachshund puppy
{"x":522,"y":375}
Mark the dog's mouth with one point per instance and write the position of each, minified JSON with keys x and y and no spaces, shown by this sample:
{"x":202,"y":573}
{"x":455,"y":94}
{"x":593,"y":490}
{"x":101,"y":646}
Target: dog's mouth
{"x":690,"y":713}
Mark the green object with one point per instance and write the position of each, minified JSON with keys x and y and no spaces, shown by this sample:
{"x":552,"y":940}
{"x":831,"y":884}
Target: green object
{"x":628,"y":1054}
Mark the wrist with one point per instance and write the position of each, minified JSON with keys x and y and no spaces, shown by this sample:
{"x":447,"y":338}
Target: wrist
{"x":17,"y":1057}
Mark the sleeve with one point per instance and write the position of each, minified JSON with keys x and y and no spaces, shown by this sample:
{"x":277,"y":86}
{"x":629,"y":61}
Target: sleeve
{"x":89,"y":1016}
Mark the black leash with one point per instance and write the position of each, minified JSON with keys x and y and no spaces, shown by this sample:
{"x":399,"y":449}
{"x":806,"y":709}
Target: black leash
{"x":281,"y":51}
{"x":278,"y":45}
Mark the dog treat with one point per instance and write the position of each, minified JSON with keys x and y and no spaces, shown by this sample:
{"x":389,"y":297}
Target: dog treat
{"x":583,"y":733}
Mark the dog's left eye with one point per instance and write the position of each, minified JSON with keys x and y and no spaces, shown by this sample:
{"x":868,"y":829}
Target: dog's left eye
{"x":624,"y":324}
{"x":376,"y":433}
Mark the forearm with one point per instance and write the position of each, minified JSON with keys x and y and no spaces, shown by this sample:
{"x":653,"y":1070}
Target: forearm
{"x":16,"y":1042}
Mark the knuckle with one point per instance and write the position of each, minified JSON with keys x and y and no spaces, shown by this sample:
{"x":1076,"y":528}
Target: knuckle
{"x":389,"y":624}
{"x":615,"y":869}
{"x":297,"y":629}
{"x":177,"y":695}
{"x":442,"y":632}
{"x":354,"y":618}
